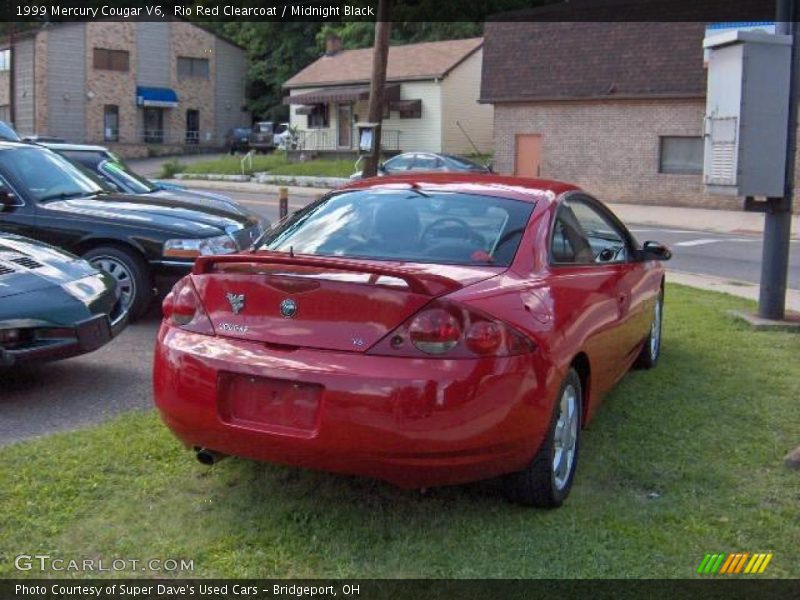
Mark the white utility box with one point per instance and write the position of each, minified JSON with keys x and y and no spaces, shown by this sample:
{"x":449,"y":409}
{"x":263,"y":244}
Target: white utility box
{"x":747,"y":111}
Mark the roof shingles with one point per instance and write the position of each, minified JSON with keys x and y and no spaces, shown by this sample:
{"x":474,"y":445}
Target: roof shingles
{"x":528,"y":61}
{"x":427,"y":60}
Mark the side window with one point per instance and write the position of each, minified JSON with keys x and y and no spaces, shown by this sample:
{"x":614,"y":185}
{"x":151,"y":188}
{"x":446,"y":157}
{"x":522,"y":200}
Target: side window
{"x":425,"y":162}
{"x":7,"y":189}
{"x":583,"y":235}
{"x":569,"y":244}
{"x":606,"y":240}
{"x":401,"y":163}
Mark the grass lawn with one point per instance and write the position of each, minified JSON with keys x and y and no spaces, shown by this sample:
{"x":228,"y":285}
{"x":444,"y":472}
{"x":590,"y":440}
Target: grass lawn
{"x":680,"y":461}
{"x":276,"y":163}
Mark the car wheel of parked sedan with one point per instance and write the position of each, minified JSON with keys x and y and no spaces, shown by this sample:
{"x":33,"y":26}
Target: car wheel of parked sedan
{"x":131,"y":273}
{"x":547,"y":480}
{"x":648,"y":357}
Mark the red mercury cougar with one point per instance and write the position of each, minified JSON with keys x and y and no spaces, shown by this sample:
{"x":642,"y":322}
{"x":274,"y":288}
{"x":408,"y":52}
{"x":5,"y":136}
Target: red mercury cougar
{"x":427,"y":329}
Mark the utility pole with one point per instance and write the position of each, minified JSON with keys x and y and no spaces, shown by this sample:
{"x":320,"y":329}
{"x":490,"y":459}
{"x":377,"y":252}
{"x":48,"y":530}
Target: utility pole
{"x":778,"y":217}
{"x":377,"y":86}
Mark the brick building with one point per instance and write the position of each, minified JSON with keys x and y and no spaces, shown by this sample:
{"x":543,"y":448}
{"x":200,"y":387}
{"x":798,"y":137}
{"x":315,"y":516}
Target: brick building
{"x":614,"y":107}
{"x":137,"y":87}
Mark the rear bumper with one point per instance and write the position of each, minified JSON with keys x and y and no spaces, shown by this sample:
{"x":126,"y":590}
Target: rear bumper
{"x":86,"y":336}
{"x":412,"y":422}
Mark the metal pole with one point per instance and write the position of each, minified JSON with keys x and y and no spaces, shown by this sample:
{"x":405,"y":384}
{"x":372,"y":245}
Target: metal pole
{"x":283,"y":202}
{"x":778,"y":218}
{"x":12,"y":116}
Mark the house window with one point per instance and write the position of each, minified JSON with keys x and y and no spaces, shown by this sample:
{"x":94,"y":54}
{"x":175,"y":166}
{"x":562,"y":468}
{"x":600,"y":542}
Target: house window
{"x":111,"y":60}
{"x":680,"y":155}
{"x":111,"y":123}
{"x":318,"y":117}
{"x":5,"y":60}
{"x":196,"y":68}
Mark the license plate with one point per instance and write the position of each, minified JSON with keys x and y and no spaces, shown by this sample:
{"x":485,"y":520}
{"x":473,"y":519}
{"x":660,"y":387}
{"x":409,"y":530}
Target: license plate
{"x":93,"y":332}
{"x":266,"y":403}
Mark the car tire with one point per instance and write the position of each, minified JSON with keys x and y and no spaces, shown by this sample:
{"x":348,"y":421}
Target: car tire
{"x":130,"y":271}
{"x":546,"y":481}
{"x":651,"y":350}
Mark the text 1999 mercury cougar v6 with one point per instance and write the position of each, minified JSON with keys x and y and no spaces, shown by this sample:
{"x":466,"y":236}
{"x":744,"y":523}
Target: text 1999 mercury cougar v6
{"x":426,"y":330}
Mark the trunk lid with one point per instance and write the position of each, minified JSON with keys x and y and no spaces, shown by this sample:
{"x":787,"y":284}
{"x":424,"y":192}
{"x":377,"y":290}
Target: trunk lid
{"x":320,"y":302}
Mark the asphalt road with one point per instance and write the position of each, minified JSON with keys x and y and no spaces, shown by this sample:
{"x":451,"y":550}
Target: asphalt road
{"x":90,"y":389}
{"x":80,"y":391}
{"x":730,"y":256}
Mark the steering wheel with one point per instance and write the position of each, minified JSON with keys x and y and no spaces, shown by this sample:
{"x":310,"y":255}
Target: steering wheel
{"x":466,"y":232}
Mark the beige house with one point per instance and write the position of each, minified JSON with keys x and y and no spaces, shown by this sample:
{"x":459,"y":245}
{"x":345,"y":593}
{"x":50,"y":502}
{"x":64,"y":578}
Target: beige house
{"x":138,"y":87}
{"x":432,"y":92}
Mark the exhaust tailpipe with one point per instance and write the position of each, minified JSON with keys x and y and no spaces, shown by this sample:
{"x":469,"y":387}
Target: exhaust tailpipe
{"x":209,"y":457}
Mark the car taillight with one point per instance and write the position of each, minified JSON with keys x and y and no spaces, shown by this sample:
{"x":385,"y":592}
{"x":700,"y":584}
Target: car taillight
{"x":182,"y":308}
{"x":434,"y":331}
{"x":450,"y":330}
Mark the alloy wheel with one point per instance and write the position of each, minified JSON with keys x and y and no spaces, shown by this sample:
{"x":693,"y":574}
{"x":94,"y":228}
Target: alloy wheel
{"x":565,"y":437}
{"x":655,"y":332}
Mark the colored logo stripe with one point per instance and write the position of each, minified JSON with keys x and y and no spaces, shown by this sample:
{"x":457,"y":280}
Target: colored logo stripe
{"x":733,"y":564}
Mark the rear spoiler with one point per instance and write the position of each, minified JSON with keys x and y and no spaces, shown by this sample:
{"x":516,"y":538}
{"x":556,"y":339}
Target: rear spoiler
{"x":420,"y":283}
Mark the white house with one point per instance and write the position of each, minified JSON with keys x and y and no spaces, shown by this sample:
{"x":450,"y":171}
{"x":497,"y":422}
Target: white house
{"x":432,"y":88}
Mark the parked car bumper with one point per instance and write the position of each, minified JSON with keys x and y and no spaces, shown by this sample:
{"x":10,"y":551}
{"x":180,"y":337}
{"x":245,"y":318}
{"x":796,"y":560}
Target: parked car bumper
{"x":51,"y":341}
{"x":412,"y":422}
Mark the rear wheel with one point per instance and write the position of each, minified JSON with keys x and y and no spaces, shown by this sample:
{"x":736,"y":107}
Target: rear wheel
{"x":131,"y":273}
{"x":648,"y":356}
{"x":547,"y":480}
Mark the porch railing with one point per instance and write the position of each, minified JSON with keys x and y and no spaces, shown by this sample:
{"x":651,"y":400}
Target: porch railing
{"x":321,"y":140}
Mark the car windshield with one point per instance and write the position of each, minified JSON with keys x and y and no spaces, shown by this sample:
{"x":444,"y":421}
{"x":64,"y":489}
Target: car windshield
{"x":120,"y":173}
{"x":408,"y":226}
{"x":7,"y":132}
{"x":45,"y":174}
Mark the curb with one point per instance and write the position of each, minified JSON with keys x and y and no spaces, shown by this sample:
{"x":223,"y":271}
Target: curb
{"x":266,"y":178}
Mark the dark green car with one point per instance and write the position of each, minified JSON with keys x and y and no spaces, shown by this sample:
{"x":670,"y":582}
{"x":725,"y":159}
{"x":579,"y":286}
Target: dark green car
{"x":53,"y":305}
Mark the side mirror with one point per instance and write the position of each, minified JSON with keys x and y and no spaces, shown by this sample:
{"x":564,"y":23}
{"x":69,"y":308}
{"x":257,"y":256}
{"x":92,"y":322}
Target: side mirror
{"x":489,"y":167}
{"x":382,"y":167}
{"x":654,"y":251}
{"x":8,"y":200}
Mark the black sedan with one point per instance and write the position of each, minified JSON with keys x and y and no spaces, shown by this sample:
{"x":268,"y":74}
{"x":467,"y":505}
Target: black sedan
{"x":146,"y":243}
{"x":53,"y":305}
{"x":112,"y":171}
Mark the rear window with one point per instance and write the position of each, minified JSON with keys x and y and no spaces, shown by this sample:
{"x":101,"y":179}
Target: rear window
{"x":407,"y":225}
{"x":88,"y":159}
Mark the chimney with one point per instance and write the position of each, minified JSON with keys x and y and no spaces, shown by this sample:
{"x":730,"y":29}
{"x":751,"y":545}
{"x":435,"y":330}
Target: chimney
{"x":333,"y":44}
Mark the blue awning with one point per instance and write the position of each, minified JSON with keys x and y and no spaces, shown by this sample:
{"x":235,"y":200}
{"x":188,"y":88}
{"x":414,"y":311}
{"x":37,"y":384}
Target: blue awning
{"x":155,"y":96}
